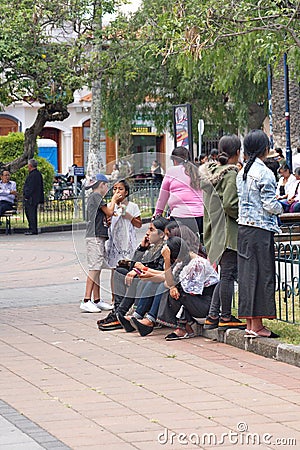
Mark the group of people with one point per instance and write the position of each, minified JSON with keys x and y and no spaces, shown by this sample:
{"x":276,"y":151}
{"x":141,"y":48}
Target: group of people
{"x":33,"y":195}
{"x":219,"y":230}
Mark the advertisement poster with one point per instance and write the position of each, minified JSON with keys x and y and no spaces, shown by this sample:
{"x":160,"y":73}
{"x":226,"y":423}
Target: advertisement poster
{"x":183,"y":126}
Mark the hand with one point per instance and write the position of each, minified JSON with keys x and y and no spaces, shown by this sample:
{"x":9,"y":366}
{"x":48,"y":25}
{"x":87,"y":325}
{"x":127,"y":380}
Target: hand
{"x":145,"y":241}
{"x":129,"y":277}
{"x":166,"y":252}
{"x":117,"y":197}
{"x":140,"y":266}
{"x":174,"y":293}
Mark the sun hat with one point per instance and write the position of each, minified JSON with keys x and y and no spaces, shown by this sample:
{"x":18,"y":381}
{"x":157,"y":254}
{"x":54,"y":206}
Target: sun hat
{"x":272,"y":154}
{"x":96,"y":180}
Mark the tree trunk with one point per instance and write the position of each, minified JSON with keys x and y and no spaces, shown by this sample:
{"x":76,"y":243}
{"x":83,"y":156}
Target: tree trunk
{"x":256,"y":116}
{"x":47,"y":113}
{"x":95,"y":162}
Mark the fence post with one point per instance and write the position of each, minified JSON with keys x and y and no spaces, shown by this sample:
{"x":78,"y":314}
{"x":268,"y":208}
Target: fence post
{"x":152,"y":197}
{"x":83,"y":204}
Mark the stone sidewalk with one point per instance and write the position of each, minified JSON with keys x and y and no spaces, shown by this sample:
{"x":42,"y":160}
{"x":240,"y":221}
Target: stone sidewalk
{"x":64,"y":384}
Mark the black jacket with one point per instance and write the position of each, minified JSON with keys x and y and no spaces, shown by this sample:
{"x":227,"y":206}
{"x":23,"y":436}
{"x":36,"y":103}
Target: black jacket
{"x":33,"y":189}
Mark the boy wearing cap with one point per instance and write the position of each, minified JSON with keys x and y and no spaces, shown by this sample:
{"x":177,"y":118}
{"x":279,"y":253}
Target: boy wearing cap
{"x":96,"y":235}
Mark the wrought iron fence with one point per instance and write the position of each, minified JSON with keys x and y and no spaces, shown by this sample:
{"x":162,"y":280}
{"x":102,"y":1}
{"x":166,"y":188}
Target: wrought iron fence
{"x":65,"y":210}
{"x":288,"y":282}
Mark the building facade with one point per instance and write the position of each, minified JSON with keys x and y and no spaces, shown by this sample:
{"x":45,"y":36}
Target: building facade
{"x":72,"y":137}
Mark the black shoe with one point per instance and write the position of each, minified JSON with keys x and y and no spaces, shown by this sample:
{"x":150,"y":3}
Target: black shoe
{"x":111,"y":317}
{"x":125,"y":323}
{"x":144,"y":330}
{"x":210,"y":323}
{"x":232,"y":323}
{"x":110,"y":326}
{"x":273,"y":335}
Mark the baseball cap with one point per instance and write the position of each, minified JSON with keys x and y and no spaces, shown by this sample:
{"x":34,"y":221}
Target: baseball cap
{"x":95,"y":180}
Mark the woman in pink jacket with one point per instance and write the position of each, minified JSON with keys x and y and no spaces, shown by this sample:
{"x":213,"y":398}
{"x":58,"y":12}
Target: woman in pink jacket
{"x":180,"y":189}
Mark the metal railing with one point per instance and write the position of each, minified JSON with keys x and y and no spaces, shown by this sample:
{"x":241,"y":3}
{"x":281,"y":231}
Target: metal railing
{"x":64,"y":210}
{"x":287,"y":259}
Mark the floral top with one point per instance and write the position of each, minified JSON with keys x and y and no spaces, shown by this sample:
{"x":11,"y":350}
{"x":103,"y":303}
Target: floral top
{"x":196,"y":275}
{"x":122,"y":240}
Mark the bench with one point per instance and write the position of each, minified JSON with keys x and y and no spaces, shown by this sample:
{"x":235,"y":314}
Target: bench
{"x":7,"y":216}
{"x":289,"y":218}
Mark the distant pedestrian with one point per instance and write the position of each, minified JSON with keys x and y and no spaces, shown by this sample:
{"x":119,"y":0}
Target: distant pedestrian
{"x":33,"y":195}
{"x":156,"y":171}
{"x":257,"y":223}
{"x":8,"y":192}
{"x":213,"y":156}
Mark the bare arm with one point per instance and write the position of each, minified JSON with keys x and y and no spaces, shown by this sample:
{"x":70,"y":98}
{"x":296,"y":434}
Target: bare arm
{"x":168,"y":270}
{"x":109,"y":210}
{"x":136,"y":221}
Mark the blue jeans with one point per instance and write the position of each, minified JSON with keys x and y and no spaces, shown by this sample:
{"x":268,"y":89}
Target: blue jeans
{"x":148,"y":302}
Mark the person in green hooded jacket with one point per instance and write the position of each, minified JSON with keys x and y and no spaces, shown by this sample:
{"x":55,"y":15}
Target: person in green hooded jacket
{"x":218,"y":181}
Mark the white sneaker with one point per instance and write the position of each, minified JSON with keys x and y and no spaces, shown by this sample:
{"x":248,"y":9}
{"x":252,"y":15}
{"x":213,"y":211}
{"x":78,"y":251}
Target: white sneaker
{"x":89,"y":307}
{"x":104,"y":306}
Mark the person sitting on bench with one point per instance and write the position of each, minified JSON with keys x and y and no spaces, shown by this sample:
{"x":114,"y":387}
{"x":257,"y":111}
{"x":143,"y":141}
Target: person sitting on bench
{"x":8,"y":192}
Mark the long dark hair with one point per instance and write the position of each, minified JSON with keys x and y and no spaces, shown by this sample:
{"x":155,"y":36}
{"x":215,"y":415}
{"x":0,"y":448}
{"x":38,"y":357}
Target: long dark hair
{"x":229,"y":145}
{"x":255,"y":145}
{"x":188,"y":236}
{"x":160,"y":223}
{"x":178,"y":249}
{"x":182,"y":156}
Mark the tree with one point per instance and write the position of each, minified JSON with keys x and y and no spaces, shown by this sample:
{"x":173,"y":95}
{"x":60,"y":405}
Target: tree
{"x":213,"y":55}
{"x":146,"y":81}
{"x":45,"y":56}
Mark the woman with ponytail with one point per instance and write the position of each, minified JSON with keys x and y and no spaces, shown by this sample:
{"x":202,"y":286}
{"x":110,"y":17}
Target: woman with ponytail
{"x":220,"y":229}
{"x":180,"y":189}
{"x":257,"y":223}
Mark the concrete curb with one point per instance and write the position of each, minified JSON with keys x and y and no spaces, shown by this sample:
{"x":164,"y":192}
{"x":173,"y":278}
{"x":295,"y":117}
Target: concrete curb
{"x":269,"y":348}
{"x":59,"y":228}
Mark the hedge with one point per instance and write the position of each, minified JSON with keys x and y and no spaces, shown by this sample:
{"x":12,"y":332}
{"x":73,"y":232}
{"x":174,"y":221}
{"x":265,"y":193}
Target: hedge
{"x":11,"y":147}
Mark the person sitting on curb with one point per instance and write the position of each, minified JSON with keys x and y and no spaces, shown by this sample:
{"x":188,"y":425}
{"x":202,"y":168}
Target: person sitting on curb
{"x":191,"y":280}
{"x":145,"y":324}
{"x":129,"y":282}
{"x":96,"y":235}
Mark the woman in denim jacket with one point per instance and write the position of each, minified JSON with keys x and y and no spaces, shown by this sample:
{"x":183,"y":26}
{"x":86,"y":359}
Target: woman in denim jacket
{"x":258,"y":210}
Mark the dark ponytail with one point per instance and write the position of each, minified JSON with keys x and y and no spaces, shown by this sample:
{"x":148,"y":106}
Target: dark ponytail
{"x":182,"y":156}
{"x":229,"y":145}
{"x":255,"y":145}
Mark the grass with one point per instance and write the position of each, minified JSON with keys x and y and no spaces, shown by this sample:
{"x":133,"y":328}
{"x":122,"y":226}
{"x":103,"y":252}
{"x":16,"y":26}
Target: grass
{"x":289,"y":332}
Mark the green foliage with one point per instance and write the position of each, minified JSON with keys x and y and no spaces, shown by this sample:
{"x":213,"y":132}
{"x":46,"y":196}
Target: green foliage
{"x":211,"y":55}
{"x":11,"y":147}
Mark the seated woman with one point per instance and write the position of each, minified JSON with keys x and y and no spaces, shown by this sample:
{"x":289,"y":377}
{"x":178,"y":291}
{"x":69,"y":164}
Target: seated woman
{"x":146,"y":323}
{"x":294,"y":200}
{"x":191,"y":280}
{"x":286,"y":186}
{"x":129,"y":283}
